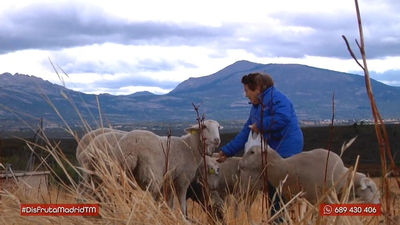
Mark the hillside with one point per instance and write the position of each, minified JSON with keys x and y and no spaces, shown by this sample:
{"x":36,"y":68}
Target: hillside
{"x":220,"y":95}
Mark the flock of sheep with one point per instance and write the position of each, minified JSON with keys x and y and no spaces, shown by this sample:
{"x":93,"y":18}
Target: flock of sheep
{"x":142,"y":154}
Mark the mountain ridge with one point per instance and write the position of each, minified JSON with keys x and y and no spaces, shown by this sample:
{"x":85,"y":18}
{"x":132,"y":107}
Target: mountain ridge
{"x":220,"y":96}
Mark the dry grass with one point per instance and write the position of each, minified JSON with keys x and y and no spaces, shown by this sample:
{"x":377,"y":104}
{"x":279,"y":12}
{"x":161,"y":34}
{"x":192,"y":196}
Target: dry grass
{"x":140,"y":208}
{"x":121,"y":202}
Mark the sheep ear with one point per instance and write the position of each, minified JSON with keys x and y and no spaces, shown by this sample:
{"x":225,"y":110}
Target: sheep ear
{"x":192,"y":130}
{"x":211,"y":171}
{"x":221,"y":127}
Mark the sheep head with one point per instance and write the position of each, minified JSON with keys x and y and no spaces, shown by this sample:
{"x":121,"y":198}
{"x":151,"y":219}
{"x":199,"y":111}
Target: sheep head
{"x":212,"y":166}
{"x":250,"y":169}
{"x":366,"y":191}
{"x":254,"y":139}
{"x":212,"y":172}
{"x":210,"y":129}
{"x":252,"y":158}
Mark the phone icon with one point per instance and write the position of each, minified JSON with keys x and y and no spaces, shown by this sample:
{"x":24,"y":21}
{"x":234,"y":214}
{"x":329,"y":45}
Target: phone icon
{"x":327,"y":210}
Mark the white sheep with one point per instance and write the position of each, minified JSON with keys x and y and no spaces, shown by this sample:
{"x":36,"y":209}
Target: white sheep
{"x":102,"y":138}
{"x":195,"y":190}
{"x":221,"y":186}
{"x":305,"y":172}
{"x":86,"y":140}
{"x":225,"y":183}
{"x":100,"y":143}
{"x":147,"y":160}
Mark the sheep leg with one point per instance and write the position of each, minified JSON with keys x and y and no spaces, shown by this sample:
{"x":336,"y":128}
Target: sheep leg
{"x":170,"y":198}
{"x":181,"y":186}
{"x":81,"y":190}
{"x":182,"y":201}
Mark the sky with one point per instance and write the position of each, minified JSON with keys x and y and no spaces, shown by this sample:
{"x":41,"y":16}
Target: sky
{"x":121,"y":47}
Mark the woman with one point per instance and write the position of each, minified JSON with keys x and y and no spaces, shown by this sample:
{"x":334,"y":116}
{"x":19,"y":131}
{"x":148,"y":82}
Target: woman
{"x":279,"y":122}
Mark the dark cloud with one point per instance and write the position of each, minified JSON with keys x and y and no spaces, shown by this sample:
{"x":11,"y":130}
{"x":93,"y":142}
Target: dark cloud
{"x":297,"y":35}
{"x":390,"y":77}
{"x":61,"y":26}
{"x":319,"y":34}
{"x":134,"y":78}
{"x":72,"y":65}
{"x":161,"y":65}
{"x":314,"y":34}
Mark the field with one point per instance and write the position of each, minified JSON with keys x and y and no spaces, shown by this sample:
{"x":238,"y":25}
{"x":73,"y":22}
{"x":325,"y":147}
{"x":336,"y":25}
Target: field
{"x":123,"y":204}
{"x":140,"y":208}
{"x":12,"y":150}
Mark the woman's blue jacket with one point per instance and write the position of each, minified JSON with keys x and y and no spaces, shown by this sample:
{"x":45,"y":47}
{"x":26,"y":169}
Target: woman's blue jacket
{"x":279,"y":125}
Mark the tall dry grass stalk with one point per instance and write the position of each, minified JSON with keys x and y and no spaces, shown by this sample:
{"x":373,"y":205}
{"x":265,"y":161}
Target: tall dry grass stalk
{"x":380,"y":130}
{"x":266,"y":204}
{"x":204,"y":174}
{"x":166,"y":156}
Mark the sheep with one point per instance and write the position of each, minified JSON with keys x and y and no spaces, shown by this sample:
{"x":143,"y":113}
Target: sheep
{"x":86,"y":140}
{"x":365,"y":189}
{"x":195,"y":190}
{"x":102,"y":138}
{"x":147,"y":160}
{"x":221,"y":185}
{"x":305,"y":172}
{"x":95,"y":145}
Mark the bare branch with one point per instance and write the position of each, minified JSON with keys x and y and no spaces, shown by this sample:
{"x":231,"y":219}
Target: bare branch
{"x":380,"y":129}
{"x":204,"y":178}
{"x":358,"y":45}
{"x":351,"y":51}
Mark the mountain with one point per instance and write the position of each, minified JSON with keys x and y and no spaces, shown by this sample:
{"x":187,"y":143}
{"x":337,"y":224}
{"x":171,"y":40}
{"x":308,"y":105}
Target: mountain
{"x":220,"y":96}
{"x":142,"y":93}
{"x":309,"y":88}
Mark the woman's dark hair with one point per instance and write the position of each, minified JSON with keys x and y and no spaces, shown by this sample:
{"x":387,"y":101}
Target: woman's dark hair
{"x":255,"y":80}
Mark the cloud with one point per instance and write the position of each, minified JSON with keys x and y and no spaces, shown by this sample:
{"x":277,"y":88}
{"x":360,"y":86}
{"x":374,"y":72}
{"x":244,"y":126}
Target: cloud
{"x":122,"y":91}
{"x":126,"y":80}
{"x":319,"y":34}
{"x":100,"y":76}
{"x":125,"y":46}
{"x":299,"y":32}
{"x":294,"y":34}
{"x":101,"y":66}
{"x":118,"y":83}
{"x":390,"y":77}
{"x":65,"y":26}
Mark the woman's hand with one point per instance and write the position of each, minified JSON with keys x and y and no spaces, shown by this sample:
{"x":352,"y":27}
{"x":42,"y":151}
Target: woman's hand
{"x":254,"y":128}
{"x":221,"y":157}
